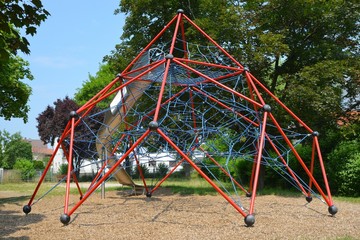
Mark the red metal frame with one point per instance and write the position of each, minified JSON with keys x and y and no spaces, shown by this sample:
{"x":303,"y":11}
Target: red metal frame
{"x":202,"y":174}
{"x":255,"y":99}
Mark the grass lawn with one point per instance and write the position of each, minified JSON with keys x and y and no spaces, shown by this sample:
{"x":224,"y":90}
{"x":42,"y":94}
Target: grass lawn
{"x":190,"y":186}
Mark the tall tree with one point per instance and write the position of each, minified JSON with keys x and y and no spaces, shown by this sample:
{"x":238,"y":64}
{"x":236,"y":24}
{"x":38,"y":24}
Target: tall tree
{"x":12,"y":148}
{"x":306,"y":52}
{"x":145,"y":18}
{"x":53,"y":120}
{"x":14,"y":93}
{"x":94,"y":84}
{"x":17,"y":15}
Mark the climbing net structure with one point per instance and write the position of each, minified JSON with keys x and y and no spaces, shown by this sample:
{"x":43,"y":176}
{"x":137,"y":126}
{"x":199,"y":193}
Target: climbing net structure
{"x":187,"y":99}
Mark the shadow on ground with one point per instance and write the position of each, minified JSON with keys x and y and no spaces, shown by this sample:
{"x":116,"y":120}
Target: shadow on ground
{"x":13,"y":220}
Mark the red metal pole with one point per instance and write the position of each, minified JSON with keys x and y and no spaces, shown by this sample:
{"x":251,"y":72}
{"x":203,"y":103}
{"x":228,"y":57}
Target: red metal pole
{"x":225,"y":106}
{"x":286,"y":165}
{"x":45,"y":171}
{"x":248,"y":76}
{"x":323,"y":170}
{"x":258,"y":163}
{"x":73,"y":174}
{"x":216,"y":79}
{"x":105,"y":89}
{"x":162,"y":89}
{"x":218,"y":83}
{"x":125,"y":84}
{"x":88,"y":193}
{"x":168,"y":61}
{"x":182,"y":29}
{"x":300,"y":160}
{"x":250,"y":87}
{"x":312,"y":164}
{"x":67,"y":195}
{"x":201,"y":173}
{"x":213,"y":42}
{"x":252,"y":175}
{"x":130,"y":74}
{"x":141,"y":173}
{"x":236,"y":69}
{"x":167,"y":175}
{"x":150,"y":44}
{"x":224,"y":171}
{"x":281,"y":104}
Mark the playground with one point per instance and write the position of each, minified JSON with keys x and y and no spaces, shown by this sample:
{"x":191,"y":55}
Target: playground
{"x":166,"y":215}
{"x":197,"y":107}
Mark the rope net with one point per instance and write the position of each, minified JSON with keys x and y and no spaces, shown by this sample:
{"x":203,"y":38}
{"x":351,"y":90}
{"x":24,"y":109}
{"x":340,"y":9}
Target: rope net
{"x":188,"y":104}
{"x":211,"y":124}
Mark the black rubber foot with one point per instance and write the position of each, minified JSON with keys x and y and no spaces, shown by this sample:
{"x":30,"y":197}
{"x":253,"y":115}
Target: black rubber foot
{"x":26,"y":209}
{"x":64,"y":218}
{"x":249,"y":220}
{"x":333,"y":210}
{"x":308,"y":199}
{"x":248,"y":194}
{"x":148,"y":194}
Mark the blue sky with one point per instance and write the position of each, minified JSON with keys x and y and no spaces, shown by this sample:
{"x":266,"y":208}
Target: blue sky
{"x":68,"y":47}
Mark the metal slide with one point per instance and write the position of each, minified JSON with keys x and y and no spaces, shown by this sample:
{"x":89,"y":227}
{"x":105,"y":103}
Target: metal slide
{"x":112,"y":122}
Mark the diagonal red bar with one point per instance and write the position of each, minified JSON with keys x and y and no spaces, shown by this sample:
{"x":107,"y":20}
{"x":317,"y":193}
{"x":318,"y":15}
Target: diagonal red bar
{"x":183,"y":155}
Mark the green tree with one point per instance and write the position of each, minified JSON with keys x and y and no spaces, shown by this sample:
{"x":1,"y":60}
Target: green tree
{"x":145,"y":19}
{"x":15,"y":16}
{"x":13,"y":147}
{"x":320,"y":68}
{"x":321,"y":93}
{"x":93,"y":85}
{"x":17,"y":149}
{"x":285,"y":44}
{"x":304,"y":51}
{"x":14,"y":93}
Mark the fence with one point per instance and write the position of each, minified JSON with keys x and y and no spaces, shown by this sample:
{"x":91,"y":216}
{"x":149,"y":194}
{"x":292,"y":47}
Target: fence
{"x":14,"y":176}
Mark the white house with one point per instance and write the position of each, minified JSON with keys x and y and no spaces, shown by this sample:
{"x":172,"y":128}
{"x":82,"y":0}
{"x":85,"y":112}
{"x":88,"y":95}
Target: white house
{"x":153,"y":160}
{"x":58,"y":160}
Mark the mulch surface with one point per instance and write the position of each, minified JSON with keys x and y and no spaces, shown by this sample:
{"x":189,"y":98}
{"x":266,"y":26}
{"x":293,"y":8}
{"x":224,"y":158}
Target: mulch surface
{"x":172,"y":216}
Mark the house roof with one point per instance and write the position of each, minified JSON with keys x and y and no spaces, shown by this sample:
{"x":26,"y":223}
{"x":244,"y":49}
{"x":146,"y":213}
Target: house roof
{"x":38,"y":147}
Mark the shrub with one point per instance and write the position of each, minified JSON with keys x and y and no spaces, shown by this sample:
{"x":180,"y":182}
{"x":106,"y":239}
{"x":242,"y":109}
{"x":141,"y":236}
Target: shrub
{"x":349,"y":177}
{"x":179,"y":174}
{"x":144,"y":169}
{"x":63,"y":169}
{"x":243,"y":170}
{"x":26,"y":168}
{"x":38,"y":165}
{"x":340,"y":161}
{"x":162,"y":170}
